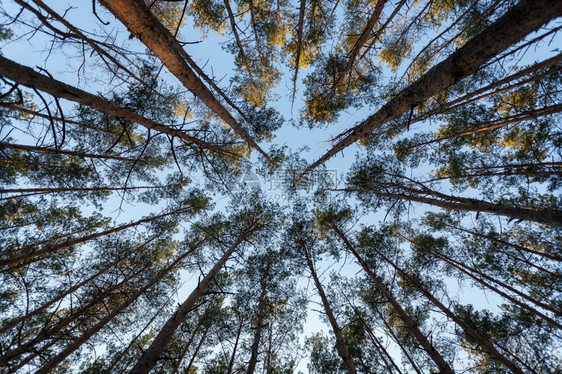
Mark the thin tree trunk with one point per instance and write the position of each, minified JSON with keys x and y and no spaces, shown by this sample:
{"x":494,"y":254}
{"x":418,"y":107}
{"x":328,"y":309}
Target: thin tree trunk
{"x":409,"y":323}
{"x":359,"y":43}
{"x":32,"y":148}
{"x":397,"y":341}
{"x":513,"y":245}
{"x":118,"y":357}
{"x":199,"y":345}
{"x":46,"y":334}
{"x":341,"y":345}
{"x":300,"y":24}
{"x":507,"y":287}
{"x":54,"y":361}
{"x":184,"y":351}
{"x":30,"y":78}
{"x":43,"y":191}
{"x":237,"y":38}
{"x":71,"y":242}
{"x":515,"y":301}
{"x":136,"y":16}
{"x":519,"y":21}
{"x":233,"y":354}
{"x":387,"y":358}
{"x":151,"y":355}
{"x":496,"y":124}
{"x":10,"y":324}
{"x":259,"y":326}
{"x":546,"y":216}
{"x":486,"y":345}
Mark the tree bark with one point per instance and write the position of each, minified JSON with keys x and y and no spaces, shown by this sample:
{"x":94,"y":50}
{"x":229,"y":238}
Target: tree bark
{"x":549,"y":217}
{"x":259,"y":326}
{"x":136,"y":16}
{"x":488,"y":346}
{"x":522,"y":19}
{"x":409,"y":323}
{"x":54,"y":361}
{"x":30,"y":78}
{"x":341,"y":345}
{"x":151,"y":355}
{"x":71,"y":242}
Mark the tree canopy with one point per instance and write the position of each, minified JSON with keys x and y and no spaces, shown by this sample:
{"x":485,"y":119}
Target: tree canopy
{"x":275,"y":186}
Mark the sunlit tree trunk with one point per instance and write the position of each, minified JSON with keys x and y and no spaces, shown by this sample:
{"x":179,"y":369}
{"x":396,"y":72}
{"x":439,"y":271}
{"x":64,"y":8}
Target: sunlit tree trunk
{"x":136,"y":16}
{"x":522,"y":19}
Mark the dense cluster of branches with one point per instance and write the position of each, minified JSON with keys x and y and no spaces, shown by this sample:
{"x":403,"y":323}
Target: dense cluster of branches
{"x":440,"y":254}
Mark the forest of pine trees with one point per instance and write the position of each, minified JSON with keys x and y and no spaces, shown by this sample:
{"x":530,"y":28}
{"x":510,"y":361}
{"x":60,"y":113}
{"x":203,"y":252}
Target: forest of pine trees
{"x":403,"y":214}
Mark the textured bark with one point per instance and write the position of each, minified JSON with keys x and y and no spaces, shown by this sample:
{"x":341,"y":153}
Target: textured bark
{"x":340,"y":342}
{"x":525,"y":17}
{"x":408,"y":322}
{"x":486,"y":345}
{"x":152,"y":353}
{"x":54,"y":361}
{"x":136,"y":16}
{"x":546,"y":216}
{"x":30,"y":78}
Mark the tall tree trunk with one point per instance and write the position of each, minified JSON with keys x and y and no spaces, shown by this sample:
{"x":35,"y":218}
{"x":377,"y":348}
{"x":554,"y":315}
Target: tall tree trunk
{"x":235,"y":348}
{"x":359,"y":43}
{"x":54,"y":361}
{"x":298,"y":52}
{"x":545,"y":216}
{"x":184,"y":351}
{"x":387,"y":358}
{"x":32,"y":148}
{"x":340,"y":342}
{"x":45,"y":333}
{"x":409,"y":323}
{"x":259,"y":326}
{"x":30,"y":78}
{"x":513,"y":245}
{"x":458,"y":266}
{"x":151,"y":355}
{"x":397,"y":341}
{"x":71,"y":242}
{"x":486,"y":345}
{"x":501,"y":284}
{"x":44,"y":191}
{"x":136,"y":16}
{"x":197,"y":349}
{"x":10,"y":324}
{"x":522,"y":19}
